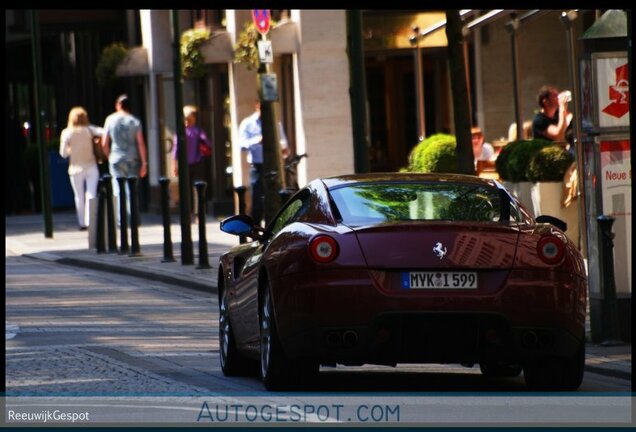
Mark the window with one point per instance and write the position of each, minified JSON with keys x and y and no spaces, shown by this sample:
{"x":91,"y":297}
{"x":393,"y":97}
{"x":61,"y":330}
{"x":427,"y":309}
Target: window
{"x":363,"y":204}
{"x":291,"y":213}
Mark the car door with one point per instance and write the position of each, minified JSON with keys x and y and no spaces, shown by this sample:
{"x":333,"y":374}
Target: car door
{"x":247,"y":289}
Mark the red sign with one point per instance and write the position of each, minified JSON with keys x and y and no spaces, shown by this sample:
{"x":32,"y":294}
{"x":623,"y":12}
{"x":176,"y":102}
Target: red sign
{"x":619,"y":94}
{"x":262,"y":19}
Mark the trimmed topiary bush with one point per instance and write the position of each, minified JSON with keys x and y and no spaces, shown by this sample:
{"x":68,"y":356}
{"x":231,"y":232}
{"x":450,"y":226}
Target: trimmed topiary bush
{"x":110,"y":58}
{"x":520,"y":156}
{"x":434,"y":154}
{"x":501,"y":164}
{"x":549,"y":164}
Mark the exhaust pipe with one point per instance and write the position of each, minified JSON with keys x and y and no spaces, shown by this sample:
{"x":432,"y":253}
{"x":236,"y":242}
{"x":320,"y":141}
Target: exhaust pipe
{"x":334,"y":339}
{"x":350,"y":338}
{"x":529,"y":339}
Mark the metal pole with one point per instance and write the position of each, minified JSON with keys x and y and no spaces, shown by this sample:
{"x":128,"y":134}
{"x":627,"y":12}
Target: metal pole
{"x":419,"y":85}
{"x":567,"y":19}
{"x":110,"y":214}
{"x":465,"y":33}
{"x":123,"y":216}
{"x":240,"y":193}
{"x":512,"y":28}
{"x":165,"y":213}
{"x":45,"y":184}
{"x":272,"y":161}
{"x":611,"y":327}
{"x":101,"y":204}
{"x":358,"y":87}
{"x":187,"y":256}
{"x":134,"y":217}
{"x":203,"y":243}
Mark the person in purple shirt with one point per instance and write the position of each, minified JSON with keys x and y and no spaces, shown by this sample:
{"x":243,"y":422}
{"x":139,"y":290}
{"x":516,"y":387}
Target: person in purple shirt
{"x":196,"y":163}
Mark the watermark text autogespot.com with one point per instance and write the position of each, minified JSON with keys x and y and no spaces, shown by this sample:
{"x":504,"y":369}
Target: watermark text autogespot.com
{"x":266,"y":413}
{"x":47,"y":416}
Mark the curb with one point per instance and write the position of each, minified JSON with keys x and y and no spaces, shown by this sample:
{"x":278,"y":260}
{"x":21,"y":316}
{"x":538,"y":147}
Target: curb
{"x":199,"y":286}
{"x":609,"y":372}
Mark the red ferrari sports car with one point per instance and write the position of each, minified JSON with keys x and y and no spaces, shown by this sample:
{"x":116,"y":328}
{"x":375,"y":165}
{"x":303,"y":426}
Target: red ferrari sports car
{"x":403,"y":268}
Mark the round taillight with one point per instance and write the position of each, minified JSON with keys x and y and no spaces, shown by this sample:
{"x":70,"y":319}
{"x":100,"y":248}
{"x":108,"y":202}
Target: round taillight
{"x":323,"y":249}
{"x":550,"y":249}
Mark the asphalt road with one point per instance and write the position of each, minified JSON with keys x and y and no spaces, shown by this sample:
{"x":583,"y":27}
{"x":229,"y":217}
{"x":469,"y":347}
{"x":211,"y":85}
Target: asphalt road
{"x":78,"y":330}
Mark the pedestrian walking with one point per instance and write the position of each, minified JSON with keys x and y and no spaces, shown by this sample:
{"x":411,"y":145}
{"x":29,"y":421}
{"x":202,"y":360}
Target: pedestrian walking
{"x":76,"y":143}
{"x":198,"y":148}
{"x":123,"y":143}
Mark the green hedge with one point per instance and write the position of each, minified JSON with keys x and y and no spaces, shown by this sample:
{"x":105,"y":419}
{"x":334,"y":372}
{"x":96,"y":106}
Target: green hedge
{"x":501,"y":164}
{"x":434,"y":154}
{"x":520,"y":156}
{"x":549,"y":164}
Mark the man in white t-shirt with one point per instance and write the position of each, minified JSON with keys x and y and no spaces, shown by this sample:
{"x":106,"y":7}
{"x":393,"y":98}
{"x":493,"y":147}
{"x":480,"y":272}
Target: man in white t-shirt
{"x":482,"y":151}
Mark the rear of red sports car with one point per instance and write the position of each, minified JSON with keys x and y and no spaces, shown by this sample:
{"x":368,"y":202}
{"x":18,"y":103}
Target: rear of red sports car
{"x":417,"y":269}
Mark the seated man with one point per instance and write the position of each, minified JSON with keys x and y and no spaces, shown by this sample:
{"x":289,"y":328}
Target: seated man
{"x":482,"y":151}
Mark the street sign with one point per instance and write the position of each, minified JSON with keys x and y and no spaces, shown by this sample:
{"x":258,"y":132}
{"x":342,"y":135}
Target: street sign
{"x":262,"y":20}
{"x":268,"y":87}
{"x":265,"y":53}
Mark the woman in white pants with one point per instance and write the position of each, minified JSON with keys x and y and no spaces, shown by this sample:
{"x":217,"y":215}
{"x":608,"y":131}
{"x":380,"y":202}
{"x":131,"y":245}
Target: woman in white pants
{"x":77,"y":142}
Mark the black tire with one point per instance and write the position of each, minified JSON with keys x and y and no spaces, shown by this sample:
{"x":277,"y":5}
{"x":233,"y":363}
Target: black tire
{"x":556,"y":373}
{"x":232,"y":363}
{"x":500,"y":369}
{"x":278,"y":371}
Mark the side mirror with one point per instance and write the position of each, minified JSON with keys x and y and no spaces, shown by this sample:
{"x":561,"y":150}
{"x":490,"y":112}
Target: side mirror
{"x":554,"y":221}
{"x":241,"y":225}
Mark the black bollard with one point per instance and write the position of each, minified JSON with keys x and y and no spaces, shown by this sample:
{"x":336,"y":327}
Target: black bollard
{"x":203,"y":244}
{"x":110,"y":214}
{"x":134,"y":217}
{"x":101,"y":223}
{"x":123,"y":216}
{"x":610,"y":325}
{"x":240,"y":193}
{"x":165,"y":212}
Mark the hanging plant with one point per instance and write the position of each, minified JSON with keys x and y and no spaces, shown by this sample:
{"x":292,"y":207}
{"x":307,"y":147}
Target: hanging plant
{"x":245,"y":49}
{"x":111,"y":57}
{"x":192,"y":61}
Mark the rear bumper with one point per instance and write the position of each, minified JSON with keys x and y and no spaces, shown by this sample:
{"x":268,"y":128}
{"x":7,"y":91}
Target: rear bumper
{"x":344,"y":317}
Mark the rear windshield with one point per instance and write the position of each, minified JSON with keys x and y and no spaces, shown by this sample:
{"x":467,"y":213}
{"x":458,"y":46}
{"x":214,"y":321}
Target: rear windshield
{"x":362,"y":204}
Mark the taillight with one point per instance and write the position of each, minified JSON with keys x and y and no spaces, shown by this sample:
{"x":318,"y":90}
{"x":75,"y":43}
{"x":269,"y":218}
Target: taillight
{"x":323,"y":249}
{"x":550,"y":249}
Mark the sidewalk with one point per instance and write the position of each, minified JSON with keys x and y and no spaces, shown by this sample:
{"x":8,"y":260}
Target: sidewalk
{"x":25,"y":236}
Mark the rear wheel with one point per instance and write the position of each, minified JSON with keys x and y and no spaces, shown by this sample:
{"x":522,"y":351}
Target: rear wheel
{"x":556,"y":373}
{"x":278,"y":371}
{"x":232,"y":363}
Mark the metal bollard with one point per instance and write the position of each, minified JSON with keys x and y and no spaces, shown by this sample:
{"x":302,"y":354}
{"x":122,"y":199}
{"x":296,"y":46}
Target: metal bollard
{"x":610,"y":325}
{"x":123,"y":216}
{"x":134,"y":217}
{"x":165,"y":212}
{"x":203,"y":244}
{"x":240,"y":193}
{"x":110,"y":215}
{"x":101,"y":206}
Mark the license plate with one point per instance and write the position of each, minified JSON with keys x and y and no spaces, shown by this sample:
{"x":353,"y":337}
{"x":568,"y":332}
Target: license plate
{"x":439,"y":280}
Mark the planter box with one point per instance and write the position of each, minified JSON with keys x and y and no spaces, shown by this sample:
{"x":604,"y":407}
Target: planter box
{"x":547,"y":200}
{"x":523,"y":192}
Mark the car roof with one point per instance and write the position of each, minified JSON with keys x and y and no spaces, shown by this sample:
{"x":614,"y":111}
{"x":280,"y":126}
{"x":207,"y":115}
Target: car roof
{"x":348,"y":179}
